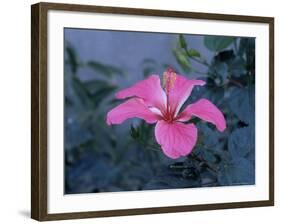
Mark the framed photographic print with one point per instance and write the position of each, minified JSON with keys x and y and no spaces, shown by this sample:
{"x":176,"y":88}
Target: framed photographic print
{"x":140,"y":111}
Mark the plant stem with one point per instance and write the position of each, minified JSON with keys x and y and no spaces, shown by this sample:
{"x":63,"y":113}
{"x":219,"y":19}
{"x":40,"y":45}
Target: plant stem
{"x":192,"y":155}
{"x":202,"y":62}
{"x":235,"y":83}
{"x":201,"y":160}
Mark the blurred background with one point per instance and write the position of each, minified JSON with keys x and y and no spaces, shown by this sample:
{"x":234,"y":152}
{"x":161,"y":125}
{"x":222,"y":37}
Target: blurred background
{"x":99,"y":158}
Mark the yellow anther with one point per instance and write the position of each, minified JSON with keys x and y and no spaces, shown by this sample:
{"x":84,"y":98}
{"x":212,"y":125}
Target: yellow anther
{"x":169,"y":78}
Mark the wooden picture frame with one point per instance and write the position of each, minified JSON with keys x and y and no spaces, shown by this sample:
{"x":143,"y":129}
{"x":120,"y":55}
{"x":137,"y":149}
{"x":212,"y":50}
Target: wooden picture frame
{"x":39,"y":110}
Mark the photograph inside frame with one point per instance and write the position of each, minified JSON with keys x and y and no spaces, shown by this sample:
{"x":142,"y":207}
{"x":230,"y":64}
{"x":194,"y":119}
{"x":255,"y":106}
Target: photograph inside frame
{"x":152,"y":111}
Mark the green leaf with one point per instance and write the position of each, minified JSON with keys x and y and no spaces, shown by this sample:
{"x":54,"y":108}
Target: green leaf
{"x":237,"y":67}
{"x":101,"y":94}
{"x":209,"y":136}
{"x":134,"y":132}
{"x":217,"y":43}
{"x":99,"y":89}
{"x":182,"y":60}
{"x":193,"y":53}
{"x":242,"y":103}
{"x":246,"y":46}
{"x":240,"y":172}
{"x":182,"y":42}
{"x":94,"y":86}
{"x":149,"y":66}
{"x":170,"y":180}
{"x":241,"y":142}
{"x":68,"y":101}
{"x":92,"y":93}
{"x":75,"y":134}
{"x":107,"y":70}
{"x":72,"y":58}
{"x":247,"y":51}
{"x":209,"y":156}
{"x":219,"y":70}
{"x":81,"y":92}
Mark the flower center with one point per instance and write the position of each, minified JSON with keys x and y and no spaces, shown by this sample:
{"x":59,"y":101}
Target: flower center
{"x":169,"y":78}
{"x":168,"y":115}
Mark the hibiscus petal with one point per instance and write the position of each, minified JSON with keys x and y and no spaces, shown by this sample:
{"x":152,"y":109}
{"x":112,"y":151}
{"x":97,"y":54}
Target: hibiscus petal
{"x":131,"y":108}
{"x":176,"y":139}
{"x":181,"y":91}
{"x":149,"y":90}
{"x":205,"y":110}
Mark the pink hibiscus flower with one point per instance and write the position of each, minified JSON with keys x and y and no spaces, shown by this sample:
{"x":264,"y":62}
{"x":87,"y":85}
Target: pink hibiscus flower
{"x":150,"y":102}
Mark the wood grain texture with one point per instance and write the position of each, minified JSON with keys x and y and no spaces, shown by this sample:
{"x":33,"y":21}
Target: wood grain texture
{"x":271,"y":111}
{"x":39,"y":203}
{"x":38,"y":112}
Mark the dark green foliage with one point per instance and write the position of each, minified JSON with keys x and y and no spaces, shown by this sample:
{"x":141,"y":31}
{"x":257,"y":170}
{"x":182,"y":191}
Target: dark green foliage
{"x":182,"y":42}
{"x":72,"y":58}
{"x":149,"y":66}
{"x":99,"y":158}
{"x":107,"y":70}
{"x":226,"y":158}
{"x":241,"y":103}
{"x":237,"y":172}
{"x":193,"y":53}
{"x":241,"y":142}
{"x":217,"y":43}
{"x":182,"y":60}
